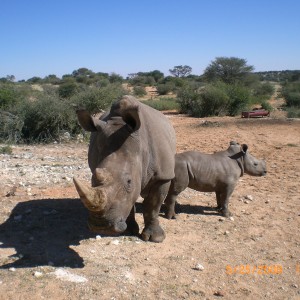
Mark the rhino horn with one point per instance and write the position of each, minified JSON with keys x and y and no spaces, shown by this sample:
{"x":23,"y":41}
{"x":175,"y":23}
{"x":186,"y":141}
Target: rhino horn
{"x":93,"y":199}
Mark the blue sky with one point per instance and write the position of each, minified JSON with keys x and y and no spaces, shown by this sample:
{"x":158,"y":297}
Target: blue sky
{"x":39,"y":38}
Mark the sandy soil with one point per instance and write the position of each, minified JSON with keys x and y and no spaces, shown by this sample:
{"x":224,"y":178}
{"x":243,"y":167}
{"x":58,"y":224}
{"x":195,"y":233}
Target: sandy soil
{"x":46,"y":251}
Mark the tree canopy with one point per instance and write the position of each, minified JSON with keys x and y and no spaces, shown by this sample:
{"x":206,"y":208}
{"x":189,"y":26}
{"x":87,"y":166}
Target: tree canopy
{"x":181,"y":71}
{"x":228,"y":70}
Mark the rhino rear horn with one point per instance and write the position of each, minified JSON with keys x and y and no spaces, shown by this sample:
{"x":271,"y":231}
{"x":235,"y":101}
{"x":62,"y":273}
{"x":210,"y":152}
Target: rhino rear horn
{"x":93,"y":199}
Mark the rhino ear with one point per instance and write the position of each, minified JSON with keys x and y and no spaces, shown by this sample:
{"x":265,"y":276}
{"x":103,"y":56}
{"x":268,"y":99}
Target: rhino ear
{"x":244,"y":148}
{"x":129,"y":111}
{"x":87,"y":122}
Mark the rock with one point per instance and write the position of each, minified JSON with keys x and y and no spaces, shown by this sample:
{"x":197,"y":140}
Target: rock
{"x":199,"y":267}
{"x":37,"y":274}
{"x":12,"y":269}
{"x":219,"y":293}
{"x":231,"y":219}
{"x":249,"y":197}
{"x":115,"y":242}
{"x":98,"y":237}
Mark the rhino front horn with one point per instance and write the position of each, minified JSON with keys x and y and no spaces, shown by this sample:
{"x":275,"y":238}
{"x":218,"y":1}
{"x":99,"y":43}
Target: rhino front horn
{"x":94,"y":199}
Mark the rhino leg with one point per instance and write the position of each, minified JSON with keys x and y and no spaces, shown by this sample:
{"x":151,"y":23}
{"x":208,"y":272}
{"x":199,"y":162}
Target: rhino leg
{"x":151,"y":206}
{"x":132,"y":225}
{"x":223,"y":201}
{"x":170,"y":205}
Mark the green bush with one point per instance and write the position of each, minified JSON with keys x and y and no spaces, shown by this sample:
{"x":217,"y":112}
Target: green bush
{"x":293,"y":112}
{"x":165,"y":88}
{"x":163,"y":104}
{"x":6,"y":150}
{"x":139,"y":91}
{"x":46,"y":118}
{"x":266,"y":105}
{"x":291,"y":93}
{"x":96,"y":99}
{"x":214,"y":99}
{"x":10,"y":127}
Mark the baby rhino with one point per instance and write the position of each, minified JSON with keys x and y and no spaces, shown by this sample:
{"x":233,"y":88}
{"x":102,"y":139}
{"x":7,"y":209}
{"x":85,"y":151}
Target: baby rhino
{"x":218,"y":172}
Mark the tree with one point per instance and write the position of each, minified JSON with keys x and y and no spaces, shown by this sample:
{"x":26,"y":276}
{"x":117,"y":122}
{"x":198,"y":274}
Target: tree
{"x":181,"y":71}
{"x":228,"y":69}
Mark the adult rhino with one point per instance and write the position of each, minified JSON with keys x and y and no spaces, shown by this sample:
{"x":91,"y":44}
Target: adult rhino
{"x":131,"y":153}
{"x":218,"y":172}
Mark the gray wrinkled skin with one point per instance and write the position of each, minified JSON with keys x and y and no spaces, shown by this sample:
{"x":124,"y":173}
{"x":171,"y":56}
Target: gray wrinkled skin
{"x":218,"y":172}
{"x":131,"y":153}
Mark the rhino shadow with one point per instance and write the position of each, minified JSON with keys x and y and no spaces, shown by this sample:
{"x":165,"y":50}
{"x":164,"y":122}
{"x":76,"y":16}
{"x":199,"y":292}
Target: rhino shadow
{"x":192,"y":210}
{"x":42,"y":231}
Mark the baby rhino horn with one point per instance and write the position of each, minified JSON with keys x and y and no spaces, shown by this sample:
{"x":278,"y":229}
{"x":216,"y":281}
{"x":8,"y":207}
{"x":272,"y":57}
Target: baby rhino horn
{"x":94,"y":199}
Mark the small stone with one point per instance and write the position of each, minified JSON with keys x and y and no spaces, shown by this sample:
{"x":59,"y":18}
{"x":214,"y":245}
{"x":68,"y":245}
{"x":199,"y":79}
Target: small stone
{"x":246,"y":202}
{"x":231,"y":219}
{"x":249,"y":197}
{"x":98,"y":237}
{"x":226,"y":232}
{"x":115,"y":242}
{"x":12,"y":269}
{"x":294,"y":285}
{"x":199,"y":267}
{"x":267,"y":201}
{"x":219,"y":293}
{"x":37,"y":274}
{"x":221,"y":219}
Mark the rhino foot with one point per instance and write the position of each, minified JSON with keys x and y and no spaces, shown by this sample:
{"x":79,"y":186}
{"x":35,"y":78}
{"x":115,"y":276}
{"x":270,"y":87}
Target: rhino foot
{"x":226,"y":213}
{"x":153,"y":234}
{"x":132,"y":227}
{"x":170,"y":215}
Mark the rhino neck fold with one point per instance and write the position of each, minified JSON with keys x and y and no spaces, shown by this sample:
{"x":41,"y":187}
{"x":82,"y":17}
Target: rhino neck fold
{"x":239,"y":158}
{"x":240,"y":162}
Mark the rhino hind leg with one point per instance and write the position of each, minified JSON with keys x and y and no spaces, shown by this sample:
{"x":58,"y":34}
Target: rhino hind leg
{"x":151,"y":207}
{"x":223,"y":201}
{"x":132,"y":225}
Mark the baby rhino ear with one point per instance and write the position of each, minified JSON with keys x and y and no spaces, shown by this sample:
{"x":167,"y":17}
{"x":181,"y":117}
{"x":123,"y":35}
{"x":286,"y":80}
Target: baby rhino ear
{"x":128,"y":109}
{"x":244,"y":148}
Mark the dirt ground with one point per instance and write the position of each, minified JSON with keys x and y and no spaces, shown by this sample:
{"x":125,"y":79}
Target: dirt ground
{"x":47,"y":252}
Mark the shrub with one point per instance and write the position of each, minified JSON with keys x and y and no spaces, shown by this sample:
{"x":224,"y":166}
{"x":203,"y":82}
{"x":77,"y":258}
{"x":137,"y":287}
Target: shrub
{"x":139,"y":91}
{"x":95,"y":99}
{"x":165,"y":88}
{"x":291,"y":93}
{"x":6,"y":150}
{"x":266,"y":105}
{"x":10,"y":127}
{"x":46,"y":118}
{"x":293,"y":112}
{"x":163,"y":104}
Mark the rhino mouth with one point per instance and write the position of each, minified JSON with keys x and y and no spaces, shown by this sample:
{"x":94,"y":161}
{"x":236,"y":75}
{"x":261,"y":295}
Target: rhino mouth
{"x":107,"y":227}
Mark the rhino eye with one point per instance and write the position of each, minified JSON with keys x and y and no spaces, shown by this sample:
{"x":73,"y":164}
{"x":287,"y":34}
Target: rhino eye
{"x":255,"y":164}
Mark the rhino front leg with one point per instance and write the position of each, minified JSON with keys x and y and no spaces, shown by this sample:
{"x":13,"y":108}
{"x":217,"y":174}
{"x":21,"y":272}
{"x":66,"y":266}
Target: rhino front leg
{"x":151,"y":206}
{"x":132,"y":225}
{"x":223,"y":201}
{"x":170,"y":205}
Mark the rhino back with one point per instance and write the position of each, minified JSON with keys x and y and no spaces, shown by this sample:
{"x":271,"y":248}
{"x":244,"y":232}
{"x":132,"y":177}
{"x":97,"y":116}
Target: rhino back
{"x":208,"y":172}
